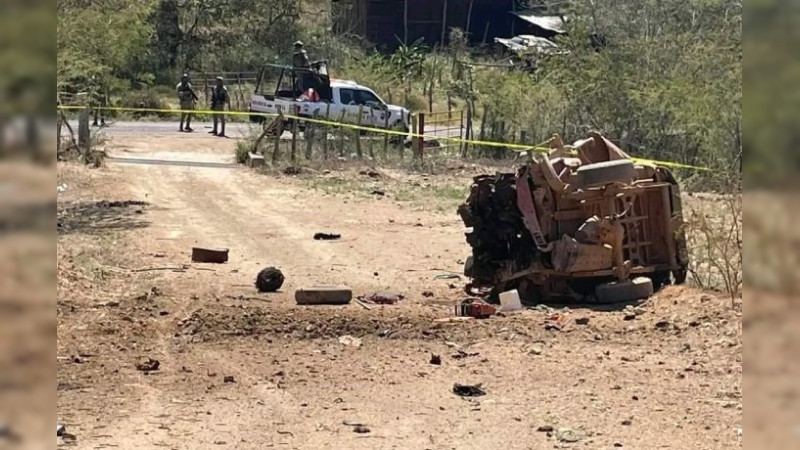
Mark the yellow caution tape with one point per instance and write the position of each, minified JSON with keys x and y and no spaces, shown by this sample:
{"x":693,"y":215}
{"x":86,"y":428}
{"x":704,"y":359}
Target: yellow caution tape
{"x":540,"y":148}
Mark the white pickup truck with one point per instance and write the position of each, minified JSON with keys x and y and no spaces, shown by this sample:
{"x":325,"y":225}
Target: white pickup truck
{"x":335,"y":100}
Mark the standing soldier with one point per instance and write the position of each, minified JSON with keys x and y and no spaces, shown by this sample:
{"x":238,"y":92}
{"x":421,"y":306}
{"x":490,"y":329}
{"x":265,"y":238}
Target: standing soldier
{"x":300,"y":61}
{"x":187,"y":99}
{"x":219,"y":98}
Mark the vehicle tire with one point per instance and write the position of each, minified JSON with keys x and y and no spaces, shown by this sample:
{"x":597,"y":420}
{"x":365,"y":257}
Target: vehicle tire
{"x":325,"y":295}
{"x":468,"y":266}
{"x":269,"y":280}
{"x":607,"y":172}
{"x":624,"y":291}
{"x":396,"y":138}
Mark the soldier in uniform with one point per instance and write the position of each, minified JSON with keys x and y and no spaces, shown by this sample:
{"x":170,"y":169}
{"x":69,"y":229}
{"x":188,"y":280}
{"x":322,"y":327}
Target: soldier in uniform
{"x":219,"y":98}
{"x":300,"y":61}
{"x":187,"y":98}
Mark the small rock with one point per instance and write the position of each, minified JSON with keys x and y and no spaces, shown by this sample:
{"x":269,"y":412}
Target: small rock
{"x":148,"y":365}
{"x":627,"y":422}
{"x":467,"y":390}
{"x":545,"y":429}
{"x":229,"y":379}
{"x":582,"y":321}
{"x":361,"y":429}
{"x":536,"y":349}
{"x":427,"y":294}
{"x":629,"y":317}
{"x":310,"y":328}
{"x":598,"y":337}
{"x":350,"y":341}
{"x":436,"y":360}
{"x":60,"y":430}
{"x":568,"y":435}
{"x":618,"y":444}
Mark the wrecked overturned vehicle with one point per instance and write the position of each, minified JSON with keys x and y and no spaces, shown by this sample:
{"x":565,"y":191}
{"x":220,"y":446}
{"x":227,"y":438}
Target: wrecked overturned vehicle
{"x":582,"y":223}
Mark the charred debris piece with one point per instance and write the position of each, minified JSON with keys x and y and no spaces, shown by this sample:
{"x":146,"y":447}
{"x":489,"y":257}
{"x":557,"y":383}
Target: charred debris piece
{"x":327,"y":236}
{"x":581,"y":223}
{"x":269,"y":279}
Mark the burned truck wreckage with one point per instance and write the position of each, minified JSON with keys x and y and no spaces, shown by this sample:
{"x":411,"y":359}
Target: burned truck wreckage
{"x":581,"y":223}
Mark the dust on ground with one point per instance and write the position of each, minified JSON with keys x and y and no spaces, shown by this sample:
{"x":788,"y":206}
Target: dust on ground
{"x":240,"y":369}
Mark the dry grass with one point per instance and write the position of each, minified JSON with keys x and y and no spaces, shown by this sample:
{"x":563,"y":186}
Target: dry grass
{"x":714,"y":231}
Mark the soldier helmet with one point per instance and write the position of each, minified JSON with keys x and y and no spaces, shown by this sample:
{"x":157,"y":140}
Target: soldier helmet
{"x":185,"y":76}
{"x":298,"y":43}
{"x":219,"y":78}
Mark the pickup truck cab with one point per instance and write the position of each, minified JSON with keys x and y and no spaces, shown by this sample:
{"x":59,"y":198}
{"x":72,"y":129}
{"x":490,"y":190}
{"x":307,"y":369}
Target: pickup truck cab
{"x":335,"y":100}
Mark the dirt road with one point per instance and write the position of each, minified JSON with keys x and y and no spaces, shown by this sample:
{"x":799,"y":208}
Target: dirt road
{"x":670,"y":378}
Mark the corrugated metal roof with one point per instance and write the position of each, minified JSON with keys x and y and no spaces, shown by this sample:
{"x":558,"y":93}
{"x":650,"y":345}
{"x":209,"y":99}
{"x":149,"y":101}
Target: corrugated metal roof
{"x":552,"y":23}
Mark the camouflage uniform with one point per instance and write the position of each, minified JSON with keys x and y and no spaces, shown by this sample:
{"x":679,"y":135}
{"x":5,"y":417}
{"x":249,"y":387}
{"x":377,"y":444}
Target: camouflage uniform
{"x":300,"y":61}
{"x":219,"y":98}
{"x":187,"y":99}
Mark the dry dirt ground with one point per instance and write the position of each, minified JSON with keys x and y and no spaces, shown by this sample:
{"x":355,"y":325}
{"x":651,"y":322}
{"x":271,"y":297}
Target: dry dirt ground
{"x":127,"y":291}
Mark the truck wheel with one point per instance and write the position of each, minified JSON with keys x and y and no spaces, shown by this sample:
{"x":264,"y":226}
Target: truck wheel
{"x":624,"y":291}
{"x":607,"y":172}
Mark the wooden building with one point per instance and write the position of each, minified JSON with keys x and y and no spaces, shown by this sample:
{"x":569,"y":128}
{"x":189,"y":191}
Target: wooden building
{"x":388,"y":23}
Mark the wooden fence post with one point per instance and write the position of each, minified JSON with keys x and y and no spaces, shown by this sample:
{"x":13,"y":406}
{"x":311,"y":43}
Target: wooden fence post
{"x":278,"y":133}
{"x":310,"y":135}
{"x":84,"y":138}
{"x":370,"y":137}
{"x":386,"y":135}
{"x":325,"y":131}
{"x":295,"y":124}
{"x":358,"y":132}
{"x":341,"y":133}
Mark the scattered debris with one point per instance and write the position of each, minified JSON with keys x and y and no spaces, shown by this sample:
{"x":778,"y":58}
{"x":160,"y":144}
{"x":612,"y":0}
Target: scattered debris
{"x":323,"y":295}
{"x":461,"y":354}
{"x":229,"y":379}
{"x":582,"y":321}
{"x":326,"y":236}
{"x":475,"y":307}
{"x":383,"y":298}
{"x":209,"y":255}
{"x":553,"y":322}
{"x":467,"y":390}
{"x":509,"y":301}
{"x":350,"y":341}
{"x":436,"y":360}
{"x":269,"y":280}
{"x":148,"y":365}
{"x":370,"y":173}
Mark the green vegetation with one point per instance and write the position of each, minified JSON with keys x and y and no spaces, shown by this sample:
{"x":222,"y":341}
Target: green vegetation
{"x":666,"y":81}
